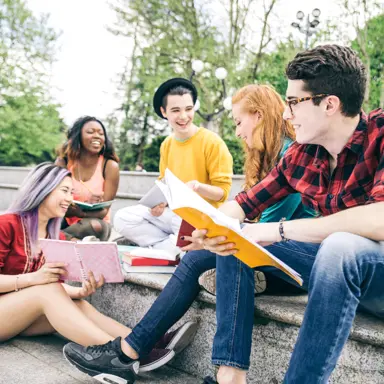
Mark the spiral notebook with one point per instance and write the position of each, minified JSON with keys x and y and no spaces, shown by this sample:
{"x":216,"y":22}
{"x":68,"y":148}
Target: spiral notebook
{"x":99,"y":257}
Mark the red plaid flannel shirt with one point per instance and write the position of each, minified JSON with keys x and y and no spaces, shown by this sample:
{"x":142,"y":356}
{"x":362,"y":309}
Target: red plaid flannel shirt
{"x":358,"y":178}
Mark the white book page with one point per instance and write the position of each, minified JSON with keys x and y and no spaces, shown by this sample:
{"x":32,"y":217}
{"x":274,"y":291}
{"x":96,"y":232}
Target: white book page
{"x":179,"y":195}
{"x":153,"y":197}
{"x":152,"y":253}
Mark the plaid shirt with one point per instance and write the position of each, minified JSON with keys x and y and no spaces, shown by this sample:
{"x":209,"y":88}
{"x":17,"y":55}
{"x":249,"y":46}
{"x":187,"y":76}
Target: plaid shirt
{"x":358,"y":178}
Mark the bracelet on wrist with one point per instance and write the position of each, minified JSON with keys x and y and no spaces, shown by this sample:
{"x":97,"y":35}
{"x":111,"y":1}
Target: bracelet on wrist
{"x":16,"y":283}
{"x":281,"y":230}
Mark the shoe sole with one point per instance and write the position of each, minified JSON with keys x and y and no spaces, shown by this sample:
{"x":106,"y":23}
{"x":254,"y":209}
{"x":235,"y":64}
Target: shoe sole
{"x":158,"y":363}
{"x":260,"y":282}
{"x":103,"y":377}
{"x":183,"y":337}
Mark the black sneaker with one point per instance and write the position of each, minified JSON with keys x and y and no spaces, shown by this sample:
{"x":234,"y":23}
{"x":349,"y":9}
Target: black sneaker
{"x":155,"y":359}
{"x":178,"y":339}
{"x":105,"y":363}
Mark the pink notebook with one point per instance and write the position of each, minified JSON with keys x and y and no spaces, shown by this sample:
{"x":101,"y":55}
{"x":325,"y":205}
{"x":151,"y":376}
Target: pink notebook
{"x":99,"y":257}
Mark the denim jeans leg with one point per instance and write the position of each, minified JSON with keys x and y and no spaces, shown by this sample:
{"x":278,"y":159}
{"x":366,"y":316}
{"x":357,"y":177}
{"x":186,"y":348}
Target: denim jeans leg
{"x":235,"y":286}
{"x":173,"y":302}
{"x":235,"y":299}
{"x":298,"y":255}
{"x":348,"y":270}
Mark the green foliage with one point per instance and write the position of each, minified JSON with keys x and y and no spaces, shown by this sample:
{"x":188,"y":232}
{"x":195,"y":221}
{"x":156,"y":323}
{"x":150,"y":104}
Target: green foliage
{"x":30,"y":125}
{"x":175,"y":32}
{"x":169,"y":34}
{"x":128,"y":157}
{"x":27,"y":46}
{"x":237,"y":151}
{"x":29,"y":131}
{"x":375,"y":51}
{"x":152,"y":154}
{"x":272,"y":69}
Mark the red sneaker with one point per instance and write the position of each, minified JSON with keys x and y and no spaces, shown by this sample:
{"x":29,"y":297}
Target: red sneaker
{"x":155,"y":359}
{"x":178,"y":339}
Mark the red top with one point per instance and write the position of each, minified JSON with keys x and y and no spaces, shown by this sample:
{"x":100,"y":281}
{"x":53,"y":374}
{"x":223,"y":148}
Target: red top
{"x":358,"y":178}
{"x":15,"y":251}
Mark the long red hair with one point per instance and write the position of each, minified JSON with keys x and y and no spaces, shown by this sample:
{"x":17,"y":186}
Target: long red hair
{"x":268,"y":135}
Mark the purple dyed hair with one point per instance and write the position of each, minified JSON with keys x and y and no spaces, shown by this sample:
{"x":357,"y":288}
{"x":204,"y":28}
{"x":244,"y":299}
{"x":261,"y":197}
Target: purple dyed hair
{"x":38,"y":184}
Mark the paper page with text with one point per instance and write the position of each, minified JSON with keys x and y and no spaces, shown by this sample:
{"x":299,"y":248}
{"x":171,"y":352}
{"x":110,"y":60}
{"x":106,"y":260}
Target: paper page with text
{"x":196,"y":211}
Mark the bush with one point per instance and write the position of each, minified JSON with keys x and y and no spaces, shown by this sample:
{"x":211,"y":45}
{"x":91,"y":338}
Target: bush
{"x":151,"y":158}
{"x":236,"y":148}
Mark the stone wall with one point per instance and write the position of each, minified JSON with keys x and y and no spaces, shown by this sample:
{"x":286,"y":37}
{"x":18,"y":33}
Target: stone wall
{"x":133,"y":185}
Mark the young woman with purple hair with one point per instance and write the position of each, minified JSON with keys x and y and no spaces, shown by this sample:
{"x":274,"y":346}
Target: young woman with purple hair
{"x":33,"y":300}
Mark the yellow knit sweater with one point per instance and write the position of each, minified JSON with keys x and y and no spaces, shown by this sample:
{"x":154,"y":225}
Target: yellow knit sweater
{"x":203,"y":157}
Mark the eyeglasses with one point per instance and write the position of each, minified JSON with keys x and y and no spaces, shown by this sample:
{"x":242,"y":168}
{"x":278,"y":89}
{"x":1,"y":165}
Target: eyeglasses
{"x":293,"y":102}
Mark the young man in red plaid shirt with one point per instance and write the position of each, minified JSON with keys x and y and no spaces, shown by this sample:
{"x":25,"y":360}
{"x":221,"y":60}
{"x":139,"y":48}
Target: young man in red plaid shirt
{"x":337,"y":165}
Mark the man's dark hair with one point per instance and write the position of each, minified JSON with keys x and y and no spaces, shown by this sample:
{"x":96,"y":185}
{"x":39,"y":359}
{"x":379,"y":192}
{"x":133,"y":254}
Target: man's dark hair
{"x":179,"y":90}
{"x":333,"y":70}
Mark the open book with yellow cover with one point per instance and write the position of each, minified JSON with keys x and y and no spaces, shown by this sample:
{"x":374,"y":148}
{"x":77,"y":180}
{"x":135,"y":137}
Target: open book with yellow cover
{"x":196,"y":211}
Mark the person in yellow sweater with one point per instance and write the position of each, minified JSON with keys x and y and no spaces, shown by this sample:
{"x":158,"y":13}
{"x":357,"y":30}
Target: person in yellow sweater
{"x":197,"y":156}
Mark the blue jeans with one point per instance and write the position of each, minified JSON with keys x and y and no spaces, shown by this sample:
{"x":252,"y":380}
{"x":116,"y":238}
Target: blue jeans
{"x":343,"y":272}
{"x":173,"y":301}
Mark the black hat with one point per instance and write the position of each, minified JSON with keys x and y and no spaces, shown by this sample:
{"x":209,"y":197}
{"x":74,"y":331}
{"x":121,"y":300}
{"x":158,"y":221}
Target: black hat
{"x":166,"y":87}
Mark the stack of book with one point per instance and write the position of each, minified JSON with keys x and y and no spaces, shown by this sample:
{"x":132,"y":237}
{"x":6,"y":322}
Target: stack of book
{"x":147,"y":260}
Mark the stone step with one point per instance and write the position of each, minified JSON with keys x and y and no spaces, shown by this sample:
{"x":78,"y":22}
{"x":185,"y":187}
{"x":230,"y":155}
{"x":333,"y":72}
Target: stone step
{"x":133,"y":185}
{"x":276,"y":325}
{"x":130,"y":182}
{"x":8,"y":192}
{"x":39,"y":360}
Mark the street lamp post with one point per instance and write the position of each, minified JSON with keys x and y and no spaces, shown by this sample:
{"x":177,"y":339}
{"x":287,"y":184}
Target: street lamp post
{"x":310,"y":25}
{"x":220,"y":73}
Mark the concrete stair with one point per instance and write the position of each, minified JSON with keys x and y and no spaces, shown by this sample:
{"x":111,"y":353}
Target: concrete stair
{"x":276,"y":325}
{"x":133,"y":185}
{"x":39,"y":360}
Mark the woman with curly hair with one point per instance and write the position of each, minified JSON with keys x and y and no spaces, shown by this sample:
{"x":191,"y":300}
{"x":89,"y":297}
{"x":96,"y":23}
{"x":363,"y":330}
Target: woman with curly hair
{"x":258,"y":114}
{"x":90,"y":156}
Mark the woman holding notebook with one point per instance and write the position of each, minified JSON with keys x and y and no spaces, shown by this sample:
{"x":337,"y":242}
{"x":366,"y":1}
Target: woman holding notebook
{"x":33,"y":301}
{"x":258,"y":114}
{"x":90,"y":156}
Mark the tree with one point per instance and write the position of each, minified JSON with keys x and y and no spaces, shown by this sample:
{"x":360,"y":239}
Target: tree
{"x":357,"y":14}
{"x":29,"y":130}
{"x":163,"y":33}
{"x":237,"y":151}
{"x":152,"y":154}
{"x":27,"y":48}
{"x":30,"y":125}
{"x":374,"y":32}
{"x":167,"y":36}
{"x":272,"y":68}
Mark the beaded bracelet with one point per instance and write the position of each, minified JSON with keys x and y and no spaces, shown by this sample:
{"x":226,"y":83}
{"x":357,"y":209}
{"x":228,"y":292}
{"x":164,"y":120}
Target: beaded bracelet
{"x":281,"y":230}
